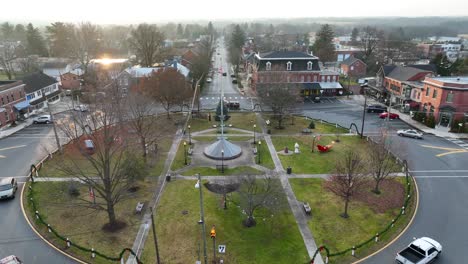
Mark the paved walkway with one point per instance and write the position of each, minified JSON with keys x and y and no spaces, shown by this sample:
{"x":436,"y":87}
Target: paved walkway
{"x":295,"y":206}
{"x":7,"y":131}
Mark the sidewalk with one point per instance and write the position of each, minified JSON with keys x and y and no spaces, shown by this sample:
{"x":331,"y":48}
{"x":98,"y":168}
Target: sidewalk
{"x":407,"y":119}
{"x":7,"y":131}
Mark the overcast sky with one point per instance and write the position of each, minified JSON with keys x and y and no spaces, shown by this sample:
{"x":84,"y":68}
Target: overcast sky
{"x":119,"y":11}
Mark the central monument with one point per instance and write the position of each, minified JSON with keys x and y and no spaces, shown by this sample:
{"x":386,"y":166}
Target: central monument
{"x":222,"y":149}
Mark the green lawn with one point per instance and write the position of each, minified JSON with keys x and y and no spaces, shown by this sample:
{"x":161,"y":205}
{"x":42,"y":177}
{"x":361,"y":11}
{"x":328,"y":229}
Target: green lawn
{"x":338,"y":233}
{"x":83,"y":225}
{"x":308,"y":162}
{"x":274,"y":240}
{"x":179,"y":159}
{"x":295,"y":125}
{"x":238,"y":120}
{"x":208,"y":171}
{"x":265,"y":156}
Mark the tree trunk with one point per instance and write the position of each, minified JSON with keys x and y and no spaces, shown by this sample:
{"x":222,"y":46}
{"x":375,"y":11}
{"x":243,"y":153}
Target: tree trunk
{"x":111,"y":213}
{"x":345,"y":214}
{"x":143,"y":146}
{"x":249,"y":222}
{"x":376,"y":188}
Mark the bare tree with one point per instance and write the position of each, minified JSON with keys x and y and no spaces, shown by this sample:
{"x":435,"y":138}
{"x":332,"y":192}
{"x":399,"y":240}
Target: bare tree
{"x":147,"y":43}
{"x":254,"y":194}
{"x":381,"y":162}
{"x":168,"y":87}
{"x":7,"y":56}
{"x":370,"y":38}
{"x":143,"y":121}
{"x":281,"y":98}
{"x":86,"y":42}
{"x":106,"y":167}
{"x":349,"y":177}
{"x":28,"y":64}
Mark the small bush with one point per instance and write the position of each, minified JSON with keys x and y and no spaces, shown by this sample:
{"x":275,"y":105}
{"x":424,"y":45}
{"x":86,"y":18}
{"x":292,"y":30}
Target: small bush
{"x":312,"y":125}
{"x":430,"y":121}
{"x":73,"y":189}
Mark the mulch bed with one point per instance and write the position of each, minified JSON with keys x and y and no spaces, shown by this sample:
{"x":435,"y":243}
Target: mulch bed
{"x":392,"y":195}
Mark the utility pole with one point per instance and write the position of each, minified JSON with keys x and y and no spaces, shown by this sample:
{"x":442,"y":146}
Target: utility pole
{"x":59,"y":147}
{"x":364,"y":112}
{"x":154,"y":236}
{"x":202,"y":218}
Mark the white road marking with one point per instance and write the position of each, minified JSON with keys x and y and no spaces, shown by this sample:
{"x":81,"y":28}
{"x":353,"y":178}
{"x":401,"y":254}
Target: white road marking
{"x":440,"y":176}
{"x":14,"y":147}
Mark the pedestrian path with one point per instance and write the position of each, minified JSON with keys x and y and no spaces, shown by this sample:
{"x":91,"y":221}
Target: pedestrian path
{"x":461,"y":143}
{"x":5,"y":132}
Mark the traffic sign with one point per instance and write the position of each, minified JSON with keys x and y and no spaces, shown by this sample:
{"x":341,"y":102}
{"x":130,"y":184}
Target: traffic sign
{"x":222,"y":249}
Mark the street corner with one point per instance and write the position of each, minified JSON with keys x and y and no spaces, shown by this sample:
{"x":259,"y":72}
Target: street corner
{"x":443,"y":151}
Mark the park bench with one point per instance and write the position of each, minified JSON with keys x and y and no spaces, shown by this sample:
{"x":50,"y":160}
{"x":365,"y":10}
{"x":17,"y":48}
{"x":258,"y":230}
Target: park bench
{"x":307,"y":209}
{"x":306,"y":131}
{"x":139,"y":207}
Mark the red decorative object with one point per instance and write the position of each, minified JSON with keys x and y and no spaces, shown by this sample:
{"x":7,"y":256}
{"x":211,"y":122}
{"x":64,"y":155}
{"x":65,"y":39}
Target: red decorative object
{"x":324,"y":148}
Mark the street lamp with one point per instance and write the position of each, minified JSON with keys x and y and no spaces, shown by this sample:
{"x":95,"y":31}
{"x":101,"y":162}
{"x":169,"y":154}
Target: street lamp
{"x":189,"y":137}
{"x":313,"y":144}
{"x":202,"y":217}
{"x":185,"y":152}
{"x":258,"y":151}
{"x":222,"y":161}
{"x":254,"y":126}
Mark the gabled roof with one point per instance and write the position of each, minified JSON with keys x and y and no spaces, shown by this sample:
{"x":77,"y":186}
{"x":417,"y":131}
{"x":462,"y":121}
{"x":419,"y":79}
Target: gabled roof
{"x":285,"y":55}
{"x":350,"y":61}
{"x":401,"y":73}
{"x":37,"y":81}
{"x":387,"y":69}
{"x":426,"y":67}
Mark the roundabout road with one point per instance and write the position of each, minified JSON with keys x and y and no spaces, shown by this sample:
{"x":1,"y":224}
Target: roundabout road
{"x":441,"y":175}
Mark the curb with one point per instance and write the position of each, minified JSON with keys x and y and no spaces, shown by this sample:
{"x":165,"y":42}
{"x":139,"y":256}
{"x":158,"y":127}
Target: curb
{"x":402,"y":232}
{"x":39,"y":234}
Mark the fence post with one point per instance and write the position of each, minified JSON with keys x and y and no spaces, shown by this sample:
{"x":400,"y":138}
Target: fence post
{"x":48,"y":228}
{"x":353,"y":252}
{"x":377,"y":237}
{"x":93,"y":254}
{"x":68,"y":243}
{"x":393,"y":222}
{"x":37,"y":214}
{"x":403,"y":210}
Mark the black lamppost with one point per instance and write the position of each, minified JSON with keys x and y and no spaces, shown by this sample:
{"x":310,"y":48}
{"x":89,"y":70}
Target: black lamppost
{"x":202,"y":217}
{"x":189,"y":137}
{"x":222,"y":161}
{"x":258,"y":151}
{"x":364,"y":111}
{"x":254,"y":126}
{"x":313,"y":144}
{"x":185,"y":152}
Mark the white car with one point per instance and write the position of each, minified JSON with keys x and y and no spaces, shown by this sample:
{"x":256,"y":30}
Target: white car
{"x":81,"y":108}
{"x":43,"y":119}
{"x":11,"y":260}
{"x":209,"y":80}
{"x":410,"y":133}
{"x":421,"y":251}
{"x":8,"y":187}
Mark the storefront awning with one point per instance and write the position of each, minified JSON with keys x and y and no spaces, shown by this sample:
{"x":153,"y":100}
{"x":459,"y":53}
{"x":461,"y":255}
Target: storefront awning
{"x":330,"y":85}
{"x":311,"y":86}
{"x":22,"y":105}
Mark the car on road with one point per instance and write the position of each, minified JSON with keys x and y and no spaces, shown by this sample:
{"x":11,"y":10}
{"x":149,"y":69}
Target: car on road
{"x":224,"y":74}
{"x":376,"y":108}
{"x":209,"y":80}
{"x":409,"y":133}
{"x":234,"y":80}
{"x":43,"y":119}
{"x":233,"y":75}
{"x":233,"y":105}
{"x":8,"y":188}
{"x":81,"y":108}
{"x":386,"y":114}
{"x":316,"y":99}
{"x":11,"y":260}
{"x":420,"y":251}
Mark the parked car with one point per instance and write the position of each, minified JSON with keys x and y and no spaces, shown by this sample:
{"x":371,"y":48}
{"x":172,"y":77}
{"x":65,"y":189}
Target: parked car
{"x":209,"y":80}
{"x":11,"y":260}
{"x":392,"y":115}
{"x":8,"y":187}
{"x":410,"y":133}
{"x":224,"y":74}
{"x":233,"y":105}
{"x":68,"y":92}
{"x":81,"y":108}
{"x":316,"y":99}
{"x":233,"y":75}
{"x":234,"y":80}
{"x":420,"y":251}
{"x":376,"y":108}
{"x":43,"y":119}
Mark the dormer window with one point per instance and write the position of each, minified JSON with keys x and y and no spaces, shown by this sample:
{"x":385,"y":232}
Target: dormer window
{"x":309,"y":65}
{"x":288,"y":66}
{"x":268,"y":66}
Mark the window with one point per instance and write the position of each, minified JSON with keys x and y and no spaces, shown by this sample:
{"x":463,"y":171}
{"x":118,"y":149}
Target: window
{"x":39,"y":93}
{"x":308,"y":78}
{"x":434,"y":94}
{"x":288,"y":78}
{"x":352,"y":68}
{"x":432,"y":109}
{"x":3,"y":101}
{"x":427,"y":91}
{"x":302,"y":78}
{"x":288,"y":66}
{"x":309,"y":65}
{"x":8,"y":99}
{"x":328,"y":78}
{"x":13,"y":97}
{"x":7,"y":117}
{"x":268,"y":66}
{"x":315,"y":78}
{"x":333,"y":78}
{"x":449,"y":98}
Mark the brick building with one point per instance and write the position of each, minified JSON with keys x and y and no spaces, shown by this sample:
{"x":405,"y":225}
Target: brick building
{"x":353,"y":67}
{"x":11,"y":101}
{"x":446,"y":98}
{"x":293,"y":69}
{"x":72,"y":79}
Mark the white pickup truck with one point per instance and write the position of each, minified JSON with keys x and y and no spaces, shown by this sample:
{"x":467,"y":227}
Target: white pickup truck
{"x":420,"y":251}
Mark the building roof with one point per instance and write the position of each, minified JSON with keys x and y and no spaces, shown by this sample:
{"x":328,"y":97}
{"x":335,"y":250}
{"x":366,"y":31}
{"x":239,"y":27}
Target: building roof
{"x":138,"y":72}
{"x":402,"y":73}
{"x":4,"y":85}
{"x":37,"y":81}
{"x":222,"y":149}
{"x":452,"y":79}
{"x":388,"y":68}
{"x":350,"y":61}
{"x":426,"y":67}
{"x":285,"y":55}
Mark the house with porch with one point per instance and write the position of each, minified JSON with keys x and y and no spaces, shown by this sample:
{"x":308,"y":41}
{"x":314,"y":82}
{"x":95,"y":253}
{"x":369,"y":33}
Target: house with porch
{"x":40,"y":90}
{"x":12,"y":101}
{"x":446,"y":98}
{"x":293,"y":69}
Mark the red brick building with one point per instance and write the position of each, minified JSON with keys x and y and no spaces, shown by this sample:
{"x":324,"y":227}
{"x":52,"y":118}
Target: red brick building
{"x":11,"y":98}
{"x":446,"y":98}
{"x":293,"y":69}
{"x":71,"y":80}
{"x":353,"y":67}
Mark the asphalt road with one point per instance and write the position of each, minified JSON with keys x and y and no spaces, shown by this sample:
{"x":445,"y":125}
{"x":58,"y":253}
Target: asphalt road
{"x":442,"y":180}
{"x":18,"y":152}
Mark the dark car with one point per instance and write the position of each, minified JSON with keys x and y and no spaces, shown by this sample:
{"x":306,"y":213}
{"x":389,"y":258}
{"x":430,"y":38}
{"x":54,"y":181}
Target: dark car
{"x":234,"y":80}
{"x":224,"y":74}
{"x":376,"y":109}
{"x":233,"y":75}
{"x":233,"y":105}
